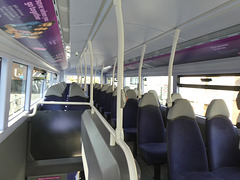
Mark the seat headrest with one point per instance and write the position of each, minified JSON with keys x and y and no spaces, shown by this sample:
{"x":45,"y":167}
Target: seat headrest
{"x":99,"y":87}
{"x":126,"y":88}
{"x":109,"y":90}
{"x":181,"y":108}
{"x":148,"y":99}
{"x":176,"y":96}
{"x":114,"y":92}
{"x":238,"y":101}
{"x":217,"y":107}
{"x":76,"y":91}
{"x":105,"y":87}
{"x":73,"y":85}
{"x":64,"y":84}
{"x":53,"y":91}
{"x":131,"y":94}
{"x":154,"y":93}
{"x":136,"y":90}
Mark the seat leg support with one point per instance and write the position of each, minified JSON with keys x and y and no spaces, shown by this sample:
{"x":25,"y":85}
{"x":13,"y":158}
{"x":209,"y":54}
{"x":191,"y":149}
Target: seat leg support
{"x":157,"y":172}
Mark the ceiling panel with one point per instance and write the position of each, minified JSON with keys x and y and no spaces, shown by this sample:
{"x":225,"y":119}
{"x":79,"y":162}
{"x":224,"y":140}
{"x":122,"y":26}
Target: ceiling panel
{"x":82,"y":16}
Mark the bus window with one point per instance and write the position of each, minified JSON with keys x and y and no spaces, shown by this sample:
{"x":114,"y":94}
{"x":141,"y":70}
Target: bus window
{"x":48,"y":80}
{"x":201,"y":90}
{"x":18,"y":88}
{"x":37,"y":85}
{"x":131,"y":82}
{"x":71,"y":78}
{"x":159,"y":84}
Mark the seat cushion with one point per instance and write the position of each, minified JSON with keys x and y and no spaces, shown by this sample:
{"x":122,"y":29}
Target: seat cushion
{"x":228,"y":173}
{"x":198,"y":176}
{"x":154,"y":153}
{"x":130,"y":134}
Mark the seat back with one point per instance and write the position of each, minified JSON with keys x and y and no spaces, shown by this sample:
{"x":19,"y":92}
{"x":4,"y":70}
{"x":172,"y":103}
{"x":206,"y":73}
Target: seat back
{"x":150,"y":123}
{"x":109,"y":92}
{"x":53,"y":94}
{"x":76,"y":94}
{"x":130,"y":110}
{"x":186,"y":150}
{"x":114,"y":104}
{"x":221,"y":137}
{"x":103,"y":95}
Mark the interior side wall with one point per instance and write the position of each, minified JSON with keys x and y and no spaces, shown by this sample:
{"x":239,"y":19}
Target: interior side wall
{"x":13,"y":154}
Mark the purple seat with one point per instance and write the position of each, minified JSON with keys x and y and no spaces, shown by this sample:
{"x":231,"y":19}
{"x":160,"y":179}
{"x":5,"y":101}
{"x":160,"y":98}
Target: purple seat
{"x":130,"y":116}
{"x":222,"y":141}
{"x":151,"y":133}
{"x":187,"y":156}
{"x":76,"y":94}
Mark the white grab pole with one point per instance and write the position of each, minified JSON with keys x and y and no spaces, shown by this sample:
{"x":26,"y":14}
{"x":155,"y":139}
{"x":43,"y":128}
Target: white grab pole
{"x":140,"y":72}
{"x":120,"y":75}
{"x":113,"y":75}
{"x":170,"y":66}
{"x":81,"y":72}
{"x":102,"y":76}
{"x":78,"y":73}
{"x":85,"y":79}
{"x":91,"y":80}
{"x":95,"y":74}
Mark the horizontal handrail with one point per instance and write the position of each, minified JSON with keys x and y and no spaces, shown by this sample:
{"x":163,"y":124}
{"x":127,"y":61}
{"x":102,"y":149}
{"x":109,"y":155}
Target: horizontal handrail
{"x":106,"y":124}
{"x":55,"y":102}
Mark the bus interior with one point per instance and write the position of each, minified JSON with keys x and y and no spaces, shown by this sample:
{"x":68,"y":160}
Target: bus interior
{"x":117,"y":89}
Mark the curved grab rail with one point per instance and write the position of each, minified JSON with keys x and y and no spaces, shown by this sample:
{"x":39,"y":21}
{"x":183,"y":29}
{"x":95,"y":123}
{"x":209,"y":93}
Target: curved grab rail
{"x":54,"y":102}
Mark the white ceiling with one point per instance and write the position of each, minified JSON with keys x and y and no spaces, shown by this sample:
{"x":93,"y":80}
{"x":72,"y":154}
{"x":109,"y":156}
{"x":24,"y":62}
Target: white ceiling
{"x":143,"y":20}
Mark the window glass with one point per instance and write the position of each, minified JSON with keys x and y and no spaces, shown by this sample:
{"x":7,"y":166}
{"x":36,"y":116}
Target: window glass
{"x":37,"y":85}
{"x":212,"y":80}
{"x":131,"y":82}
{"x":18,"y":88}
{"x":159,"y":84}
{"x":48,"y":80}
{"x":71,"y":78}
{"x":201,"y":97}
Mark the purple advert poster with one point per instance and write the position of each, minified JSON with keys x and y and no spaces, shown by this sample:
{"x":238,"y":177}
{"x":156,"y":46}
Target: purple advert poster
{"x":34,"y":24}
{"x":218,"y":49}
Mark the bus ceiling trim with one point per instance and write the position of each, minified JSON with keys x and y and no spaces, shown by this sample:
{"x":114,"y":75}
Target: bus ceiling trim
{"x":140,"y":71}
{"x":91,"y":86}
{"x":170,"y":66}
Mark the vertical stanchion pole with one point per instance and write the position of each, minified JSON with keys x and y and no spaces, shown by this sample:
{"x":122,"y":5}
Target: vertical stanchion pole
{"x":140,"y":72}
{"x":77,"y":69}
{"x":95,"y":74}
{"x":113,"y":75}
{"x":102,"y":76}
{"x":91,"y":80}
{"x":170,"y":66}
{"x":81,"y":72}
{"x":120,"y":75}
{"x":85,"y":79}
